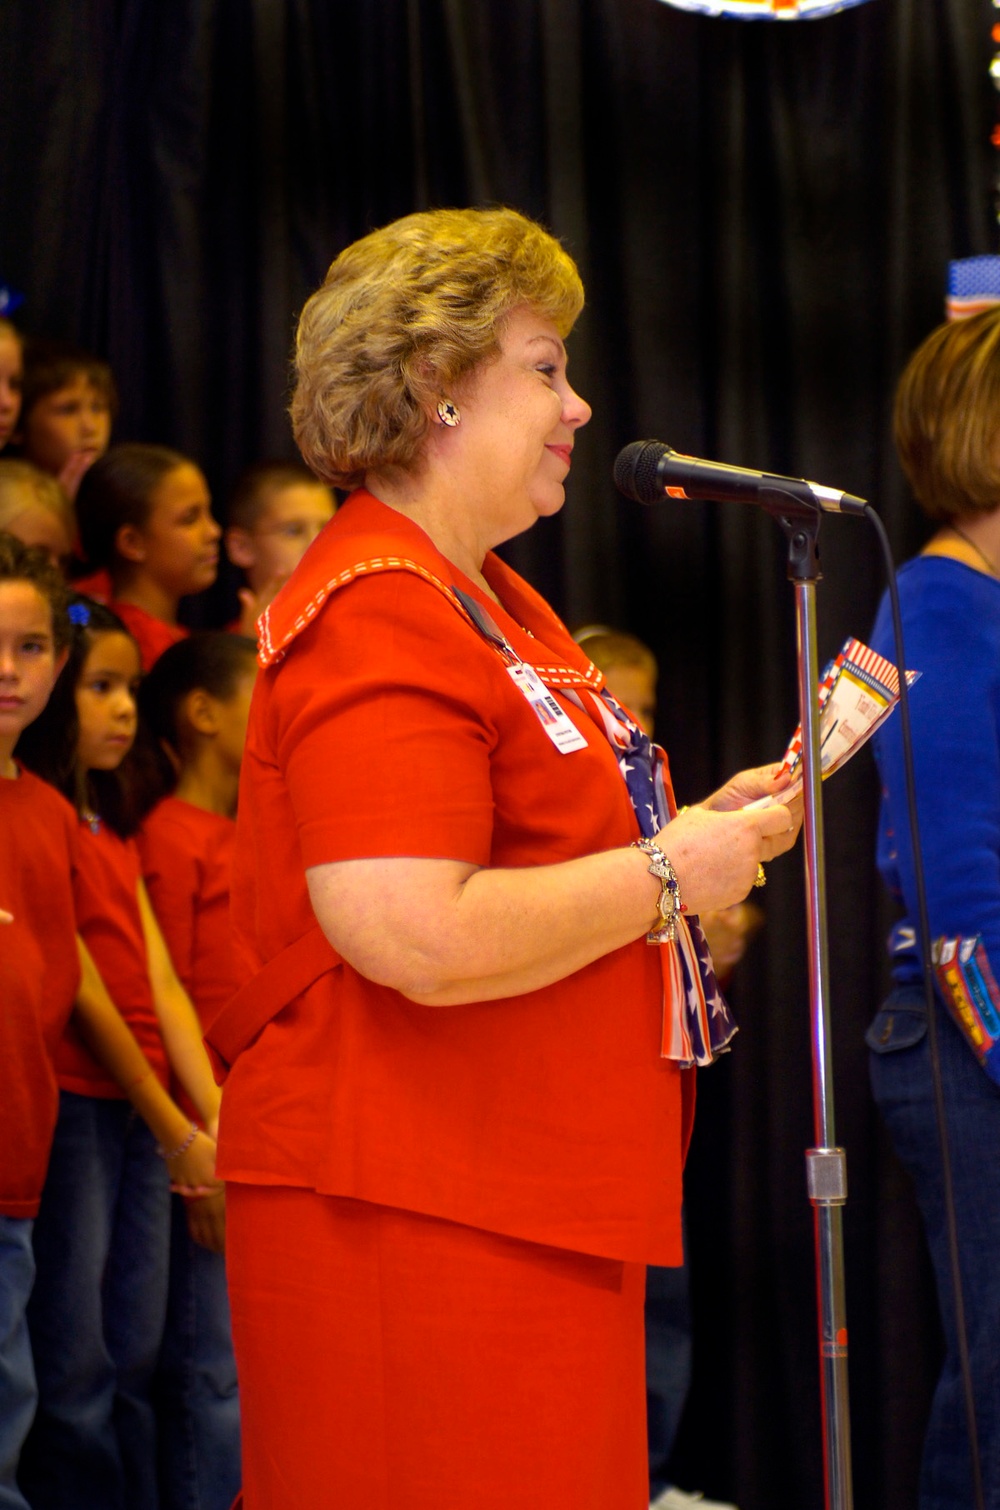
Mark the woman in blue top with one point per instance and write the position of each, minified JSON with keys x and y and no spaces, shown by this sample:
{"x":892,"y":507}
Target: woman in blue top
{"x":948,"y":435}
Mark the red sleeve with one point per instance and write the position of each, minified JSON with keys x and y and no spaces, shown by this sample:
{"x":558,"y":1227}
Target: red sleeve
{"x":170,"y":871}
{"x":382,"y":728}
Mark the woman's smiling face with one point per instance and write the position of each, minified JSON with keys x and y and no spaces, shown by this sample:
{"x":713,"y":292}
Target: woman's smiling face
{"x":518,"y":425}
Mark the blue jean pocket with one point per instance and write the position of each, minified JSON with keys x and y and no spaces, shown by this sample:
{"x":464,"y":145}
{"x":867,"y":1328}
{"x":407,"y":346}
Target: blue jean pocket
{"x":897,"y":1025}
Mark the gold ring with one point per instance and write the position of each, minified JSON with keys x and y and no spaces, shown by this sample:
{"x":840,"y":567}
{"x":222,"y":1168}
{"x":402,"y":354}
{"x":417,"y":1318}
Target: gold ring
{"x":761,"y":877}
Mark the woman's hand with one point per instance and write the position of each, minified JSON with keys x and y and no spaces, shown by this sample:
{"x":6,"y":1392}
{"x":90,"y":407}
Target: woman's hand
{"x":748,"y":786}
{"x":716,"y":854}
{"x":206,"y":1219}
{"x":445,"y":932}
{"x":192,"y":1173}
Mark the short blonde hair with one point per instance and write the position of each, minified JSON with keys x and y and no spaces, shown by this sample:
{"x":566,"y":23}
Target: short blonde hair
{"x":402,"y":315}
{"x":608,"y":647}
{"x":947,"y":418}
{"x":24,"y":486}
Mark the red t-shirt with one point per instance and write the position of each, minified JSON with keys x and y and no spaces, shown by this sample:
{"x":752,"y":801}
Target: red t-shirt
{"x":386,"y":724}
{"x":110,"y":925}
{"x":39,"y":977}
{"x":152,"y":635}
{"x":96,"y":585}
{"x":186,"y":856}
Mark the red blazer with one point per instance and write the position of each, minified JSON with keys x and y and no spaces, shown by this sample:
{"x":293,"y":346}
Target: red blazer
{"x":384,"y":723}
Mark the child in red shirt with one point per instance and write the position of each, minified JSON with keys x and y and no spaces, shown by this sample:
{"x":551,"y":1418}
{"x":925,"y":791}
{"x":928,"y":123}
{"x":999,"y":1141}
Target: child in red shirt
{"x":144,"y":514}
{"x":39,"y":970}
{"x":196,"y":702}
{"x":101,"y":1236}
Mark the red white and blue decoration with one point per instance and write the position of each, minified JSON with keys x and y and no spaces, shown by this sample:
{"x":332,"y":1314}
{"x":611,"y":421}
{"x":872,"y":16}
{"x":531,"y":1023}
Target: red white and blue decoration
{"x":765,"y":10}
{"x":973,"y":285}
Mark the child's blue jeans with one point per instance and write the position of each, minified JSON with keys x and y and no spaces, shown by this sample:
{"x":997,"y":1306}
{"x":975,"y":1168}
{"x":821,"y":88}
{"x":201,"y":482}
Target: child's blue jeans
{"x":197,"y":1393}
{"x":17,"y":1374}
{"x":97,"y":1311}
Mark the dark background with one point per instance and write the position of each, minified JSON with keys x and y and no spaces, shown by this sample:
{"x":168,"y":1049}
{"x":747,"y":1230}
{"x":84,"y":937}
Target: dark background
{"x":762,"y":214}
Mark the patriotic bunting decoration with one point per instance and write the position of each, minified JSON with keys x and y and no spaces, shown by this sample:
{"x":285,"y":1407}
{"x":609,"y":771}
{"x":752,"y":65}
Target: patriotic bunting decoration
{"x":973,"y":285}
{"x":765,"y":10}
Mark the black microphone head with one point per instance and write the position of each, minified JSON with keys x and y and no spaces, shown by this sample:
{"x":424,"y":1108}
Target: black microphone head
{"x":637,"y":470}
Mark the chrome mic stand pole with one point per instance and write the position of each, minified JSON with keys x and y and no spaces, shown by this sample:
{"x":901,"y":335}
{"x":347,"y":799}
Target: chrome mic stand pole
{"x":826,"y":1166}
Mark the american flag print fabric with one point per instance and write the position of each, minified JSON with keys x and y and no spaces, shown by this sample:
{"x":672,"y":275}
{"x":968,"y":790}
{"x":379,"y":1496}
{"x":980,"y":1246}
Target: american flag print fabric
{"x":697,"y":1023}
{"x":973,"y":286}
{"x":703,"y":1027}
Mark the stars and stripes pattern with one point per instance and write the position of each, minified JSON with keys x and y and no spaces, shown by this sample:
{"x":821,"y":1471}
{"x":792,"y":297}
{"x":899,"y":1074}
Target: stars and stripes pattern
{"x":973,"y":286}
{"x":703,"y":1026}
{"x":697,"y":1023}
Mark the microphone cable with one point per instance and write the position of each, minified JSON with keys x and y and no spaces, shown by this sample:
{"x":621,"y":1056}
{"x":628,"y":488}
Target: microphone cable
{"x":923,"y":932}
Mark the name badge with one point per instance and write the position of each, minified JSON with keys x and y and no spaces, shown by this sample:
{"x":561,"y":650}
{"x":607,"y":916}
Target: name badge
{"x":560,"y":728}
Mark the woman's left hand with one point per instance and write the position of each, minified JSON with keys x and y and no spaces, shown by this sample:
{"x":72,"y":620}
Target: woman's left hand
{"x":748,"y":786}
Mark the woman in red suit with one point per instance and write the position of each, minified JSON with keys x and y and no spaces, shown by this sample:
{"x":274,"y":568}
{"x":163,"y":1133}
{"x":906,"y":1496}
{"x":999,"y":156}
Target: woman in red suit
{"x":455,"y":1119}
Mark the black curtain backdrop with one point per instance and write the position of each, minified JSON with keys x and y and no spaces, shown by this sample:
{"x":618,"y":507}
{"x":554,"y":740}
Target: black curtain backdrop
{"x":762,"y":215}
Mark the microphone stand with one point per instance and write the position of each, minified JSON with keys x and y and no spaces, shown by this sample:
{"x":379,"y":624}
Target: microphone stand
{"x":826,"y":1164}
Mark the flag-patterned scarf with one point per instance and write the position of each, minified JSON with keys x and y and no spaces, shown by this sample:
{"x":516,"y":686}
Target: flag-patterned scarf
{"x":703,"y":1027}
{"x":697,"y":1023}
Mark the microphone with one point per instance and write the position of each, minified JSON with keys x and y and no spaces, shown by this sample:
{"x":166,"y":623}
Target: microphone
{"x":649,"y":471}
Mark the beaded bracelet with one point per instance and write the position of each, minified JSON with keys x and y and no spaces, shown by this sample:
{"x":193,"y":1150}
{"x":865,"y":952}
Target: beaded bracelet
{"x":181,"y":1147}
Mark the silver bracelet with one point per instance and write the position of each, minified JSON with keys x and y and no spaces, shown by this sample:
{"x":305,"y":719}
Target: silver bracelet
{"x":669,"y":901}
{"x":181,"y":1147}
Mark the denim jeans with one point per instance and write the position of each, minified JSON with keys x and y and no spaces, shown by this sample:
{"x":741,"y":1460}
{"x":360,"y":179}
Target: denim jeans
{"x":17,"y":1374}
{"x":97,"y":1311}
{"x":901,"y":1081}
{"x":199,"y":1406}
{"x":668,"y":1365}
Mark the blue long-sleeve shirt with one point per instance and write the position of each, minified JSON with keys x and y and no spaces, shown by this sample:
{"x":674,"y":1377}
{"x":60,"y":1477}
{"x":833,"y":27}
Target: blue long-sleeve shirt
{"x":951,"y":627}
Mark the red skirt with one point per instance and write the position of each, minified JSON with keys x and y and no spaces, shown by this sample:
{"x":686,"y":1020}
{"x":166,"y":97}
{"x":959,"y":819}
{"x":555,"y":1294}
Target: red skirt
{"x":388,"y":1358}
